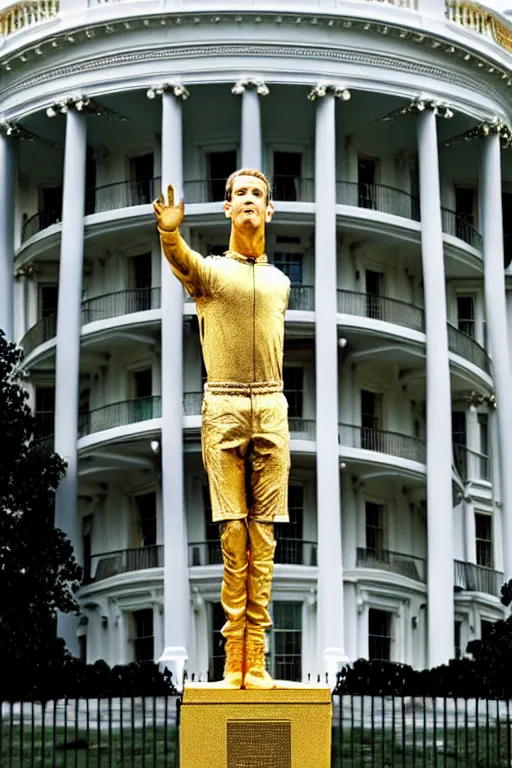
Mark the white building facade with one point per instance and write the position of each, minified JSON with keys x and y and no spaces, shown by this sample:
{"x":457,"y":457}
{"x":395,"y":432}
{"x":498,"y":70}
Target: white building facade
{"x":383,"y":127}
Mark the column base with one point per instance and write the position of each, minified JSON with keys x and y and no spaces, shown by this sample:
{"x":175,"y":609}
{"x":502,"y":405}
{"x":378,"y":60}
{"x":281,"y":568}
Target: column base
{"x":174,"y":658}
{"x":334,"y":660}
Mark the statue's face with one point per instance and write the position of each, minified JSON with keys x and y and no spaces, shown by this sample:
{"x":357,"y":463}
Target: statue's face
{"x":248,"y":208}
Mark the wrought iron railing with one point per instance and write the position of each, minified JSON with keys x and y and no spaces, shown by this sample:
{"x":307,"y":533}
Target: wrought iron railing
{"x":302,"y":297}
{"x":382,"y":441}
{"x":464,"y":346}
{"x":302,"y":429}
{"x":381,"y":308}
{"x":109,"y":564}
{"x":397,"y":562}
{"x":25,"y":14}
{"x":459,"y":225}
{"x":120,"y":414}
{"x":204,"y":190}
{"x":477,"y":578}
{"x":42,"y":331}
{"x":192,"y":402}
{"x":120,"y":303}
{"x":39,"y":221}
{"x":378,"y":197}
{"x":471,"y":465}
{"x":121,"y":194}
{"x":290,"y":188}
{"x":288,"y":552}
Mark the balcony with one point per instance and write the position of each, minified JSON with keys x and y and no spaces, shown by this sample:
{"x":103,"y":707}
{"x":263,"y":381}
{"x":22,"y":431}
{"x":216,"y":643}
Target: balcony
{"x":288,"y":552}
{"x":26,"y":14}
{"x":481,"y":21}
{"x":471,"y":465}
{"x":476,"y":578}
{"x":394,"y":562}
{"x":463,"y":345}
{"x":120,"y":303}
{"x":109,"y":564}
{"x":302,"y":297}
{"x":382,"y":441}
{"x":119,"y":414}
{"x":381,"y":308}
{"x":293,"y":189}
{"x":42,"y":331}
{"x":378,"y":197}
{"x":458,"y":225}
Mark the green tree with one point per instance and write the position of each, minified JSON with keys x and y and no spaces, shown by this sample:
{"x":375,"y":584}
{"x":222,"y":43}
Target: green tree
{"x":38,"y":572}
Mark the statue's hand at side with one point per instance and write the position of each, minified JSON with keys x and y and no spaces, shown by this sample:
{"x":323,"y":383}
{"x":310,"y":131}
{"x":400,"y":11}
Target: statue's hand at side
{"x":170,"y":216}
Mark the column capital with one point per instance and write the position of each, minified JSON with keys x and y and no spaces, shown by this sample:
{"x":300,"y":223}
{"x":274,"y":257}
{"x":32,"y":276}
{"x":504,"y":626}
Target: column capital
{"x":177,"y":89}
{"x":9,"y":128}
{"x":250,"y":84}
{"x":26,"y":271}
{"x":496,"y":125}
{"x":424,"y":102}
{"x":475,"y":399}
{"x":77,"y":103}
{"x":338,"y":90}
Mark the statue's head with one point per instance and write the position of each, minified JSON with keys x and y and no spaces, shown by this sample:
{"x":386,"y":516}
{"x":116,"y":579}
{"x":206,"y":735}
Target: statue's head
{"x":248,"y":202}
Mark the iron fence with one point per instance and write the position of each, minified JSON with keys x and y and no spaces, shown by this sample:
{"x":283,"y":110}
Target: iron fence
{"x":107,"y":564}
{"x":302,"y":429}
{"x":461,"y":344}
{"x":460,"y":225}
{"x":381,"y":308}
{"x":38,"y":222}
{"x":122,"y":194}
{"x":302,"y":297}
{"x":90,"y":733}
{"x":420,"y":732}
{"x":120,"y":303}
{"x":119,"y":414}
{"x":393,"y":443}
{"x":378,"y":197}
{"x":395,"y":562}
{"x":476,"y":578}
{"x":288,"y":552}
{"x":42,"y":331}
{"x":293,"y":189}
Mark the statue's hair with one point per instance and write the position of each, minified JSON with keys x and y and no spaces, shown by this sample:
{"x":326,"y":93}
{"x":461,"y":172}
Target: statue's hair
{"x":247,"y":172}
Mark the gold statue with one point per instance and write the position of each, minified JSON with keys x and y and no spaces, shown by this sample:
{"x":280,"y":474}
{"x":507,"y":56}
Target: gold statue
{"x":241,"y":302}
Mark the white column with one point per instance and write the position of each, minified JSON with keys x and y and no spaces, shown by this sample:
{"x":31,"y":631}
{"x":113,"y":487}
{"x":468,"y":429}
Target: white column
{"x":469,"y":530}
{"x":495,"y":307}
{"x":68,"y":341}
{"x":440,"y":566}
{"x":330,"y":618}
{"x":251,"y":145}
{"x":7,"y":176}
{"x":176,"y":585}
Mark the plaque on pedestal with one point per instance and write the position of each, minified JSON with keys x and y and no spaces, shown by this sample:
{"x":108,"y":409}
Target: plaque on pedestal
{"x":280,"y":728}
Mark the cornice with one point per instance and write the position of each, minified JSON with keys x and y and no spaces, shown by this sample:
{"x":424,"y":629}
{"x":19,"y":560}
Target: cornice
{"x":215,"y":50}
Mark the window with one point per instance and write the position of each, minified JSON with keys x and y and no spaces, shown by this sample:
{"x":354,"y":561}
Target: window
{"x":287,"y":176}
{"x":289,"y":547}
{"x":141,"y":176}
{"x":217,"y":655}
{"x":486,"y":628}
{"x":464,"y":207}
{"x":483,"y":422}
{"x":466,"y":315}
{"x":44,"y":413}
{"x":290,"y":264}
{"x":51,"y":204}
{"x":457,"y":634}
{"x":366,"y":180}
{"x":82,"y":648}
{"x":374,"y":292}
{"x":48,"y":300}
{"x":139,"y":299}
{"x":459,"y":427}
{"x":219,"y":165}
{"x":146,"y":518}
{"x":483,"y":533}
{"x":86,"y":546}
{"x":374,"y":526}
{"x":143,"y":640}
{"x":379,"y":634}
{"x":293,"y":378}
{"x":210,"y":552}
{"x":506,"y":204}
{"x":371,"y":410}
{"x":285,"y":661}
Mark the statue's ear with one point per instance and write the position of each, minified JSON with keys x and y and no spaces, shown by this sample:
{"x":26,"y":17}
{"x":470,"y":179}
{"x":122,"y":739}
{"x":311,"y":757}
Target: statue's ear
{"x":227,"y":208}
{"x":270,"y":212}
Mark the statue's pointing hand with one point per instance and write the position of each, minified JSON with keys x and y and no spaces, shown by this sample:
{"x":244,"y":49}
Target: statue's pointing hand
{"x":170,"y":216}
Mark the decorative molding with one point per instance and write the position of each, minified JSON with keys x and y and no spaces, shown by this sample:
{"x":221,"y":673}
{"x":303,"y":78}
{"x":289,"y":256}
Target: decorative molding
{"x":495,"y":125}
{"x":250,"y":84}
{"x":425,"y":102}
{"x":476,"y":399}
{"x":77,"y":103}
{"x":338,"y":90}
{"x":9,"y":128}
{"x":177,"y":89}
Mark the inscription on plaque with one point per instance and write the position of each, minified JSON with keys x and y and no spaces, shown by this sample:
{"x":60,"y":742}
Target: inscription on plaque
{"x":259,"y":744}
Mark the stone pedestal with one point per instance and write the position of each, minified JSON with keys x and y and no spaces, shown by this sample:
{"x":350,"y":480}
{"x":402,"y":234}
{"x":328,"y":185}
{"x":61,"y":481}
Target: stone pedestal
{"x":283,"y":728}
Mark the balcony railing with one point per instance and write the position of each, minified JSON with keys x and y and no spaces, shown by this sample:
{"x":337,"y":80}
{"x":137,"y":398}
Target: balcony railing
{"x":109,"y":564}
{"x":192,"y":402}
{"x":393,"y":443}
{"x":288,"y":552}
{"x":25,"y":14}
{"x":42,"y":331}
{"x":120,"y":303}
{"x":302,"y":429}
{"x":381,"y":308}
{"x":120,"y":414}
{"x":396,"y":562}
{"x":122,"y":194}
{"x":471,"y":465}
{"x":479,"y":20}
{"x":302,"y":297}
{"x":293,"y":189}
{"x":461,"y":344}
{"x":477,"y":578}
{"x":378,"y":197}
{"x":38,"y":222}
{"x":458,"y":225}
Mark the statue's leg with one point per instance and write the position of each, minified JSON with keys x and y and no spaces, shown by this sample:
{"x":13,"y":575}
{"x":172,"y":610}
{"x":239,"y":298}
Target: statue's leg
{"x":224,"y":441}
{"x":269,"y":485}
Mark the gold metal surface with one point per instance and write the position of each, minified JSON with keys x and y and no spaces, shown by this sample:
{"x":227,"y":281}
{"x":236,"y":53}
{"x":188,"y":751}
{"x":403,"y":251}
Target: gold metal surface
{"x":283,"y":728}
